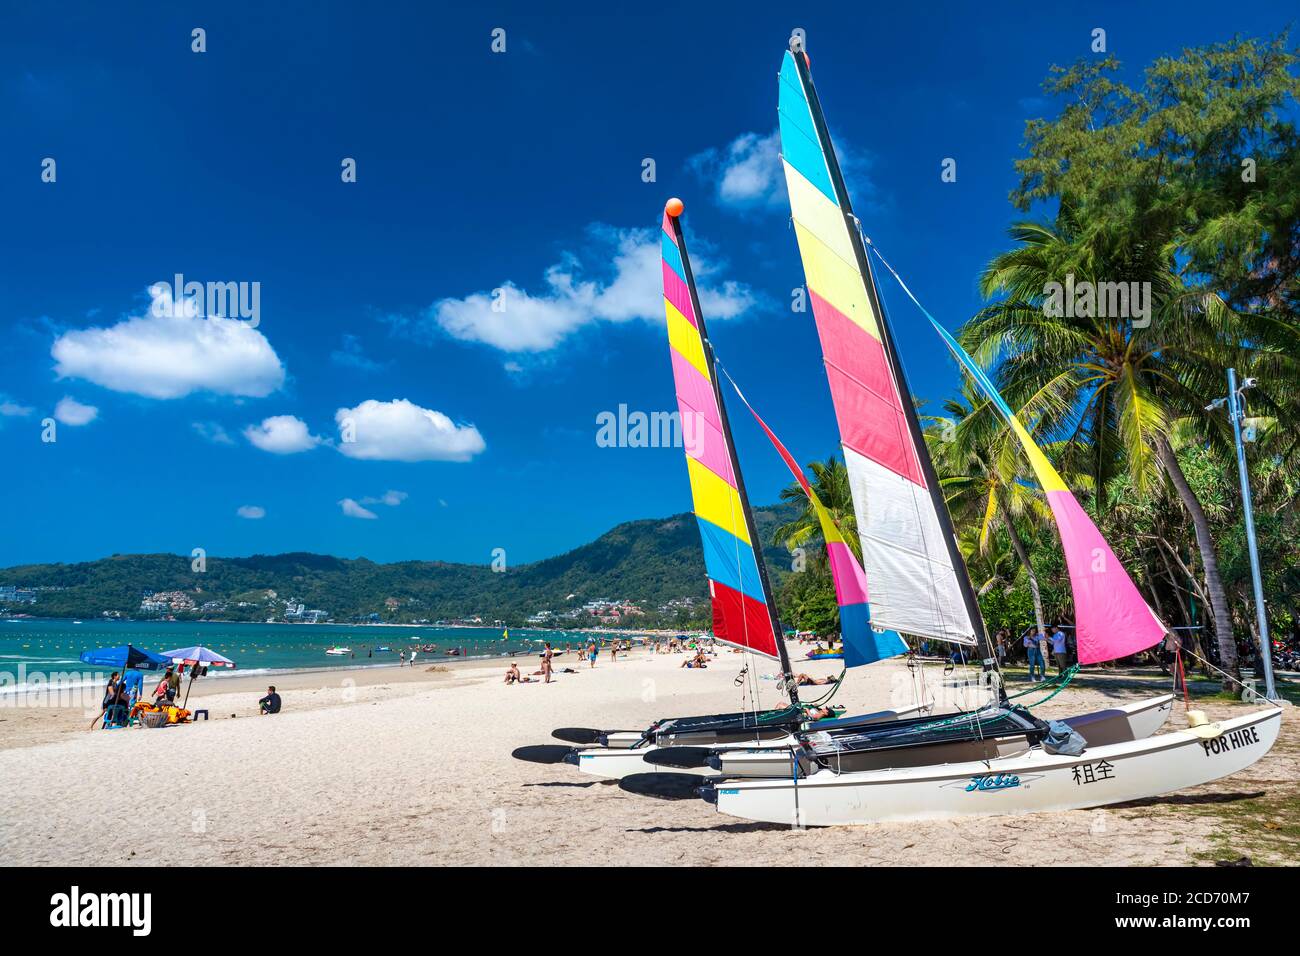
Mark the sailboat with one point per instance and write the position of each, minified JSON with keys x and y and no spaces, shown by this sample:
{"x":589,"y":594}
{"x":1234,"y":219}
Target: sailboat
{"x":744,"y":612}
{"x":918,"y":580}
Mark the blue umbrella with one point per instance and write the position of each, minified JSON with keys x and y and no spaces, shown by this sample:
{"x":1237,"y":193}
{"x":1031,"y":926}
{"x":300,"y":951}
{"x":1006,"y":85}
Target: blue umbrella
{"x":125,"y":656}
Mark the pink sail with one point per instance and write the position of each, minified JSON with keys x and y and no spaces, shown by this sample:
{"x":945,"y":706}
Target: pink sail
{"x":1111,"y":618}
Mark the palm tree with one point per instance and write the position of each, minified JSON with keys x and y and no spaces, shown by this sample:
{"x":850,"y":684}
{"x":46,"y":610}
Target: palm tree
{"x":831,"y":483}
{"x":1113,"y":385}
{"x":975,"y":456}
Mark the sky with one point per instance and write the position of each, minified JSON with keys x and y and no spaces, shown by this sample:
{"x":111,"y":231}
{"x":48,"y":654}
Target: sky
{"x":425,"y":352}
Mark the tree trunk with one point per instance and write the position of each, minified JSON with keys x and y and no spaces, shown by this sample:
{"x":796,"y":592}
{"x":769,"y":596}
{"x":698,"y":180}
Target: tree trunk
{"x":1209,"y":561}
{"x":1023,"y":555}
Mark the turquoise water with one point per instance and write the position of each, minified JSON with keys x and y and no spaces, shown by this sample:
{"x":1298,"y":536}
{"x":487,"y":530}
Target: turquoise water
{"x":43,"y":647}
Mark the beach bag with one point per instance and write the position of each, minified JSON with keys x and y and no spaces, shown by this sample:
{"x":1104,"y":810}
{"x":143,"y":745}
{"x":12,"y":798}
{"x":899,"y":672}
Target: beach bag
{"x":1064,"y":740}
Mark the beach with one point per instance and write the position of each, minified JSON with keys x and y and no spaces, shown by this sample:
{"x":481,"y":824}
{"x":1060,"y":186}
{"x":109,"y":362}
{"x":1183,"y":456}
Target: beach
{"x":404,"y":766}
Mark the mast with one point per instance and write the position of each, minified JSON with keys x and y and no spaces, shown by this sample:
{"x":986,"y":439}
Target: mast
{"x":891,"y":353}
{"x":777,"y":632}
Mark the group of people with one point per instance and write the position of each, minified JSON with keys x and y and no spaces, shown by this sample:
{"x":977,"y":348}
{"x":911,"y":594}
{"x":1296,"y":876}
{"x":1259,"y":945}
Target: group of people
{"x":589,"y":653}
{"x":1057,"y":642}
{"x":124,"y":691}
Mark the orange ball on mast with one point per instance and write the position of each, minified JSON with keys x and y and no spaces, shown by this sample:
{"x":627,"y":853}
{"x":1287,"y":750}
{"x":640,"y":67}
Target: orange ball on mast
{"x":674,"y":207}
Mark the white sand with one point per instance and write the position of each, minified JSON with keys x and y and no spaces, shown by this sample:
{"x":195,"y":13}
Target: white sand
{"x":414,"y":767}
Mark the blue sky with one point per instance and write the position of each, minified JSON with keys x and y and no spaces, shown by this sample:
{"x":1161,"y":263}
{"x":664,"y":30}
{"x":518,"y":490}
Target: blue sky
{"x":476,"y":171}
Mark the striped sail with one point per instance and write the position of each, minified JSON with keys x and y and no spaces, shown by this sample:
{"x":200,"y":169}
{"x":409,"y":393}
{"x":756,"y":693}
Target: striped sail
{"x":742,"y":608}
{"x":915,"y":588}
{"x":1111,"y":617}
{"x":862,"y":644}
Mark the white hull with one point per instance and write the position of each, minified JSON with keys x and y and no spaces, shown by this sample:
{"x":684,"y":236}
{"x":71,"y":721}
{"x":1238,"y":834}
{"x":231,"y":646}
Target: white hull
{"x":1135,"y":721}
{"x":620,"y":758}
{"x":1032,"y":782}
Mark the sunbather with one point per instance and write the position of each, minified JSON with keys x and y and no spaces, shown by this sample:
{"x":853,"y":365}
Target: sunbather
{"x":807,"y":680}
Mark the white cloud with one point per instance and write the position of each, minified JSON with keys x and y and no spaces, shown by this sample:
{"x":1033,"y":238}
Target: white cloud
{"x":9,"y":409}
{"x":213,"y":432}
{"x":69,"y":411}
{"x":513,"y":319}
{"x":282,"y":435}
{"x":252,"y":512}
{"x":747,"y":171}
{"x":403,"y":431}
{"x":390,"y":498}
{"x":354,"y":510}
{"x":169,"y":353}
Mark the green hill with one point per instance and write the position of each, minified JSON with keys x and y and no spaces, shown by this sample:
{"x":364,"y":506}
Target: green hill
{"x":650,"y":562}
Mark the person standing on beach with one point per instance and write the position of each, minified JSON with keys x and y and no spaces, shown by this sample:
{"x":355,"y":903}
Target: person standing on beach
{"x":401,"y":658}
{"x":1059,"y":651}
{"x":413,"y":653}
{"x":591,"y":654}
{"x":1035,"y":655}
{"x":547,"y":654}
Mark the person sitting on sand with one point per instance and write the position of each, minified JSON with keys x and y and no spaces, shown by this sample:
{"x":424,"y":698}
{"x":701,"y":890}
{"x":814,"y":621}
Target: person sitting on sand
{"x":807,"y":680}
{"x":270,"y":704}
{"x":160,"y":691}
{"x":110,"y":691}
{"x":698,"y":662}
{"x":514,"y":677}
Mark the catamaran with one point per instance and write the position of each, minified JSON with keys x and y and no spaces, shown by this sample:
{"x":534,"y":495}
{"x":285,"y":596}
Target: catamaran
{"x":744,"y":612}
{"x":772,"y":742}
{"x":918,"y":579}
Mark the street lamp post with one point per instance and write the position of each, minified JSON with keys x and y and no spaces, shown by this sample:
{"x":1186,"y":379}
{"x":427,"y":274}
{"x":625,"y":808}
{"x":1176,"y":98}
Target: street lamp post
{"x":1236,"y":414}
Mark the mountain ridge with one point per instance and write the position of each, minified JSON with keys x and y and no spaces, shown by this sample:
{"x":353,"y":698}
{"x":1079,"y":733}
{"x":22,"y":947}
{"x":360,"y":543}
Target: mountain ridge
{"x":650,"y":562}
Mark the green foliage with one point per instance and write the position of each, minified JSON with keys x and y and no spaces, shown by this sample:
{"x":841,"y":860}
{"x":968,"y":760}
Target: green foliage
{"x":1012,"y":608}
{"x":807,"y":601}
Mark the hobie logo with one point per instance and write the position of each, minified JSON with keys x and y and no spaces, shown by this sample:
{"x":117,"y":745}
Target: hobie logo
{"x":103,"y":909}
{"x":993,"y":781}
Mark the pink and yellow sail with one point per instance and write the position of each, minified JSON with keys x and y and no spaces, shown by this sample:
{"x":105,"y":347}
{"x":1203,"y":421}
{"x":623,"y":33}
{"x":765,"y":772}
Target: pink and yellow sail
{"x":862,"y":644}
{"x":915,"y":583}
{"x":742,"y":608}
{"x":1111,"y":617}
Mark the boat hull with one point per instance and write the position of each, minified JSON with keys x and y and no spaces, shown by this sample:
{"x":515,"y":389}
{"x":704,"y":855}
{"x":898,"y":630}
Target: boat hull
{"x":1135,"y":721}
{"x":619,"y":759}
{"x":1032,"y":782}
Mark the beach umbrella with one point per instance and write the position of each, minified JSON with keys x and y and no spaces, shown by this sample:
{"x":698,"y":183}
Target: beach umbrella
{"x":124,"y":657}
{"x":194,"y":656}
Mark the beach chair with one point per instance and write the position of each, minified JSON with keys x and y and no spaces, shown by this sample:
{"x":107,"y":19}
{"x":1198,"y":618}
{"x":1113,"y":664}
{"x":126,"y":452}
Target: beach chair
{"x":116,"y":716}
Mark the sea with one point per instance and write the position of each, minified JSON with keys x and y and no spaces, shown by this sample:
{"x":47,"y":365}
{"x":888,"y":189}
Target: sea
{"x":33,"y":649}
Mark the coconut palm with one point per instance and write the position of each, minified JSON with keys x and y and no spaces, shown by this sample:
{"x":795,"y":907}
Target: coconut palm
{"x":830,"y":480}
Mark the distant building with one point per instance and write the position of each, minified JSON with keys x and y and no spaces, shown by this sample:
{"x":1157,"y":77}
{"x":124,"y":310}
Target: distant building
{"x":163,"y":602}
{"x":16,"y":595}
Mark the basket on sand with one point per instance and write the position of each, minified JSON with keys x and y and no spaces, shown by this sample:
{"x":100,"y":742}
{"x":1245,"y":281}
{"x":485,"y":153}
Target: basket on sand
{"x":157,"y":718}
